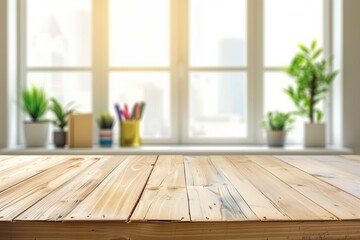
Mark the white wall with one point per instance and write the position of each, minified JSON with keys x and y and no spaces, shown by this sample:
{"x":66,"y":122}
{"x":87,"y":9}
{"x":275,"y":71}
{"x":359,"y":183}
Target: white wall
{"x":8,"y":73}
{"x":3,"y":73}
{"x":351,"y":74}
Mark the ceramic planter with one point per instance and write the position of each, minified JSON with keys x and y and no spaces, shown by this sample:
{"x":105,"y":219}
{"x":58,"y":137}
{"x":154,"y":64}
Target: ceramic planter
{"x":105,"y":137}
{"x":59,"y":138}
{"x":276,"y":138}
{"x":315,"y":135}
{"x":36,"y":134}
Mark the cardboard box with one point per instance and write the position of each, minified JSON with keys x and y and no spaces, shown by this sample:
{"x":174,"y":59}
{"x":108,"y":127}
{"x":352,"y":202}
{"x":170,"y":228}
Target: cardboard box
{"x":80,"y":130}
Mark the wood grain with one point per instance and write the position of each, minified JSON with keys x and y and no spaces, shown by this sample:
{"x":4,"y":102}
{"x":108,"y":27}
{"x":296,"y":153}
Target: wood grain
{"x":18,"y":162}
{"x":58,"y":204}
{"x":211,"y":196}
{"x":165,"y":195}
{"x":17,"y":199}
{"x":343,"y":205}
{"x":264,"y":209}
{"x":4,"y":158}
{"x":348,"y":164}
{"x":27,"y":169}
{"x":176,"y":197}
{"x":291,"y":202}
{"x":326,"y":172}
{"x":271,"y":230}
{"x":116,"y":197}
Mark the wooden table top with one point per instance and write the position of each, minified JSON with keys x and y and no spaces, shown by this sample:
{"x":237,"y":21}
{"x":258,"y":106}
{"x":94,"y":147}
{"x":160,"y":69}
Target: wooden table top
{"x":179,"y":188}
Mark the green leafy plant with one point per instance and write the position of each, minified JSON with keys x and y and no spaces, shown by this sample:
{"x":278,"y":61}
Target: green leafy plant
{"x":312,"y":81}
{"x":34,"y":102}
{"x":278,"y":121}
{"x":105,"y":121}
{"x":61,"y":113}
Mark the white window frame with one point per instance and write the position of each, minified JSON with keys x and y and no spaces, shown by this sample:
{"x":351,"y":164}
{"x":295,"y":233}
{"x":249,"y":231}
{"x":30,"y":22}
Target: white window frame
{"x":179,"y":69}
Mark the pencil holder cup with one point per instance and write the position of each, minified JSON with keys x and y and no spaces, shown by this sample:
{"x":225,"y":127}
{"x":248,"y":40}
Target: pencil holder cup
{"x":130,"y":133}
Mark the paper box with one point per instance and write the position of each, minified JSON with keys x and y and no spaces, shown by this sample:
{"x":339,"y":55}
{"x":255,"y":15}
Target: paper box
{"x":80,"y":130}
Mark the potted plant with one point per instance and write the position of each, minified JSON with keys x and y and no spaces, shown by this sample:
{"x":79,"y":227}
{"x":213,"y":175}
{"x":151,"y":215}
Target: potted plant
{"x":277,"y":124}
{"x":105,"y":122}
{"x":312,"y":83}
{"x":61,"y":114}
{"x":35,"y":104}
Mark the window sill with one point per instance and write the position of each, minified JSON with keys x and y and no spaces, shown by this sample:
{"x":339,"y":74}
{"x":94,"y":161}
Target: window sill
{"x":181,"y":149}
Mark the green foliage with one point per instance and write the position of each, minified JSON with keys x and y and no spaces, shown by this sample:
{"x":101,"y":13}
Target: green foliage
{"x":105,"y":121}
{"x":34,"y":102}
{"x":312,"y":81}
{"x":61,"y":113}
{"x":278,"y":121}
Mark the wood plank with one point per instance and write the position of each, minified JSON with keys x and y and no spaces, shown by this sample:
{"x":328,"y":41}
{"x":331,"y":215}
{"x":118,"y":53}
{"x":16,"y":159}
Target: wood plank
{"x":59,"y":203}
{"x":347,"y":164}
{"x":264,"y":209}
{"x":342,"y":204}
{"x":4,"y":157}
{"x":251,"y":230}
{"x":165,"y":196}
{"x":211,"y":196}
{"x":17,"y":199}
{"x":324,"y":171}
{"x":355,"y":158}
{"x":291,"y":202}
{"x":18,"y":162}
{"x":116,"y":197}
{"x":27,"y":169}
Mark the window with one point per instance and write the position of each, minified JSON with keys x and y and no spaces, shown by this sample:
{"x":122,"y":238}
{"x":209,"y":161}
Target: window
{"x":217,"y":69}
{"x":208,"y":70}
{"x":281,"y":39}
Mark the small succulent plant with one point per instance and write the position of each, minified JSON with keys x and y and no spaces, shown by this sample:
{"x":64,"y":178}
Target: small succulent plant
{"x":105,"y":121}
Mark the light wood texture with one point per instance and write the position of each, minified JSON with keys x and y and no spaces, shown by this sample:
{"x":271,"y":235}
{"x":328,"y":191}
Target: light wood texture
{"x":116,"y":197}
{"x":17,"y":199}
{"x":355,"y":158}
{"x":326,"y":172}
{"x":289,"y":201}
{"x":27,"y":169}
{"x":180,"y":197}
{"x":165,"y":196}
{"x":4,"y":157}
{"x":211,"y":196}
{"x":343,"y":205}
{"x":10,"y":162}
{"x":271,"y":230}
{"x":59,"y":203}
{"x":261,"y":205}
{"x":348,"y":164}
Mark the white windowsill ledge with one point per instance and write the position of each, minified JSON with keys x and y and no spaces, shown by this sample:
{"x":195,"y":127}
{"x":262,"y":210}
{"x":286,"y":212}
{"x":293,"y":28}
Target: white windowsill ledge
{"x":181,"y":149}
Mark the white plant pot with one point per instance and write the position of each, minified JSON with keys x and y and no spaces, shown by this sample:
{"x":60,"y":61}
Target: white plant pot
{"x":276,"y":138}
{"x":36,"y":134}
{"x":315,"y":135}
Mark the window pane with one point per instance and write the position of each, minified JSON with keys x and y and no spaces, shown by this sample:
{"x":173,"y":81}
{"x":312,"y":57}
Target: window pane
{"x":65,"y":87}
{"x":139,"y":33}
{"x":217,"y":105}
{"x":151,"y":87}
{"x":58,"y":33}
{"x":276,"y":100}
{"x":218,"y":33}
{"x":288,"y":23}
